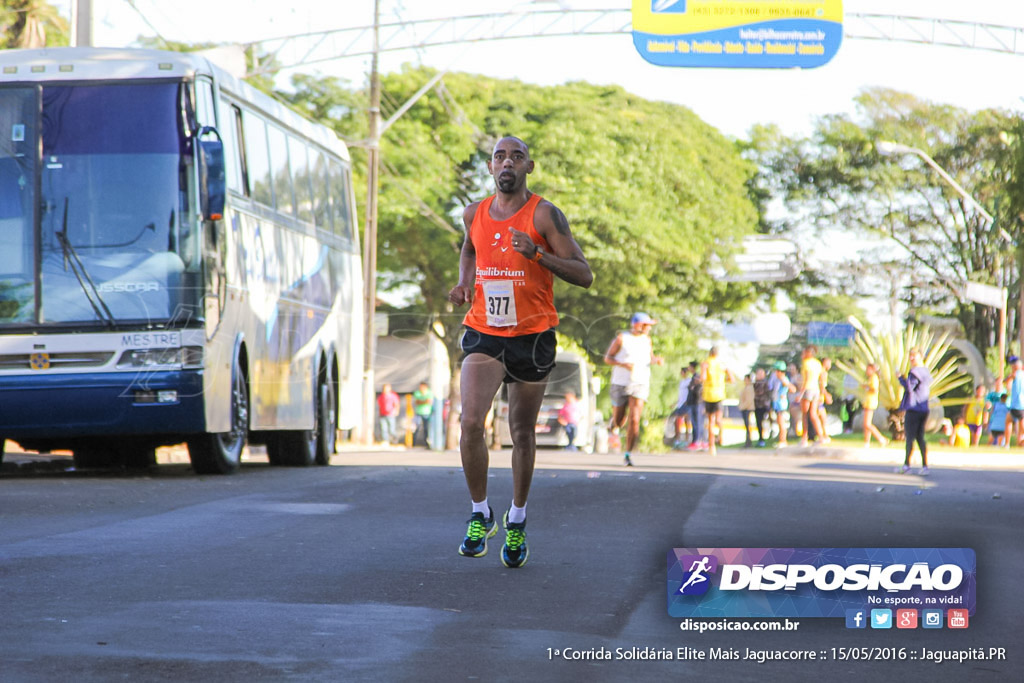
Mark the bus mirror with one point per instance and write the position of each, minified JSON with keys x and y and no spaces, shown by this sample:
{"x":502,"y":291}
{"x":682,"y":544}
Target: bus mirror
{"x":212,"y":185}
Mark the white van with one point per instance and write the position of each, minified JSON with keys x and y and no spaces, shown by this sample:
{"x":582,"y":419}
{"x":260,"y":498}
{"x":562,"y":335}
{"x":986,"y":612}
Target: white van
{"x":572,"y":373}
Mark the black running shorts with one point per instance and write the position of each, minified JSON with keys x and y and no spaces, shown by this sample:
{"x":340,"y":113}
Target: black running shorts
{"x":528,"y":358}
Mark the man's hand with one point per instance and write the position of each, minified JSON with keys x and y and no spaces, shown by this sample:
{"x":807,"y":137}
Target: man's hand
{"x":522,"y":243}
{"x":461,"y":294}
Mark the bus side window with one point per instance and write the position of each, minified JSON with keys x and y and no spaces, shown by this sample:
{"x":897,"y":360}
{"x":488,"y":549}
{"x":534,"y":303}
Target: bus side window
{"x":282,"y":174}
{"x":205,"y":114}
{"x":234,"y":159}
{"x":257,"y":159}
{"x":300,"y":175}
{"x":341,"y":193}
{"x":321,"y":191}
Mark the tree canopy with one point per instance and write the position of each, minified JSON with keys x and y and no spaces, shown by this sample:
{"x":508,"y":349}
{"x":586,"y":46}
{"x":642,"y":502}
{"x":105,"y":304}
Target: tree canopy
{"x":838,"y":189}
{"x":652,"y":193}
{"x":31,"y":23}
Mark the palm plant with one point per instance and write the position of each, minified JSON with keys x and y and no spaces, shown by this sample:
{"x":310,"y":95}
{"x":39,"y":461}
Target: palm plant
{"x":31,"y":23}
{"x":889,"y":353}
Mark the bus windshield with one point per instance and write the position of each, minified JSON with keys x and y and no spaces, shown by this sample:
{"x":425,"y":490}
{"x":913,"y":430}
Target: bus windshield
{"x":113,"y":192}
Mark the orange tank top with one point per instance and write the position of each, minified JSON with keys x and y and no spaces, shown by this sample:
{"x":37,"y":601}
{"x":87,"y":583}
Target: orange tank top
{"x":514,"y":296}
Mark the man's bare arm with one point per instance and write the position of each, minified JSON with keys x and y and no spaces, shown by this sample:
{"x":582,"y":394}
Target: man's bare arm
{"x":566,"y":259}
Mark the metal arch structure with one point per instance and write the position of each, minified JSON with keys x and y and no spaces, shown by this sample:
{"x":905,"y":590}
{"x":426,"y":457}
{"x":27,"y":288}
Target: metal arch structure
{"x":419,"y":34}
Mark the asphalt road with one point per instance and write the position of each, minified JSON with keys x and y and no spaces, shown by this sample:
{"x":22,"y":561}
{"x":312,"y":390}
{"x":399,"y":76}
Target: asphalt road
{"x":350,"y":572}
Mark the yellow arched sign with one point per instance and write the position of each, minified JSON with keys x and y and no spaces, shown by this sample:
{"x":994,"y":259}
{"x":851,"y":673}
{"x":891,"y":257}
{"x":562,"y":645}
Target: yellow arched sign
{"x":738,"y":33}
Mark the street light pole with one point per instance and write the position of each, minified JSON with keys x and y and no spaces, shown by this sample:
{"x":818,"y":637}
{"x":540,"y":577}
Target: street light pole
{"x":81,"y":23}
{"x":370,"y":235}
{"x":889,"y":148}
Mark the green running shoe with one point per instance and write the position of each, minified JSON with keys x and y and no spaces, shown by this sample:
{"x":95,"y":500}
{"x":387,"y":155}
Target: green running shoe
{"x":479,"y":530}
{"x":514,"y":553}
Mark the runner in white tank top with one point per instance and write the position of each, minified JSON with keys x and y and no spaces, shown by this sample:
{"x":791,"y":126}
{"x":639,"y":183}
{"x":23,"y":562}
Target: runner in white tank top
{"x":631,"y":355}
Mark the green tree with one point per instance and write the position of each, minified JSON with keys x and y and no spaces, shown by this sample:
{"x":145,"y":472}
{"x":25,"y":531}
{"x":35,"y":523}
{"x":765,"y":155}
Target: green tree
{"x":653,"y":195}
{"x":31,"y":23}
{"x":836,"y":186}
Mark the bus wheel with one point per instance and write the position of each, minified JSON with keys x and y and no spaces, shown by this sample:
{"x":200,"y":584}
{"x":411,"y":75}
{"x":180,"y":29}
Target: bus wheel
{"x":94,"y":455}
{"x":307,"y":447}
{"x":293,"y":448}
{"x":326,"y":422}
{"x":136,"y":456}
{"x":222,"y":453}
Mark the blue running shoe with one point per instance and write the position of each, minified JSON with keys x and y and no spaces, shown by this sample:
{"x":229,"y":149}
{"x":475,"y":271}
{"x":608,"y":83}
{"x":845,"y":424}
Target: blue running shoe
{"x":479,"y":530}
{"x":514,"y":553}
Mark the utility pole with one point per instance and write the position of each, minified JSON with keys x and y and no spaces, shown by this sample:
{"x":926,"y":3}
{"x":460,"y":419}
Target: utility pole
{"x":370,"y":234}
{"x":81,"y":23}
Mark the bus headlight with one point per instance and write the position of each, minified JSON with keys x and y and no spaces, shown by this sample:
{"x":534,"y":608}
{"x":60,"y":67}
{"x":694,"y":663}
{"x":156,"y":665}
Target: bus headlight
{"x":185,"y":357}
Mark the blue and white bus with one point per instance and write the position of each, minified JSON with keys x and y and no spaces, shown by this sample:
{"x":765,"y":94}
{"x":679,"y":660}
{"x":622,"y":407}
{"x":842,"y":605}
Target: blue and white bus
{"x":178,"y":262}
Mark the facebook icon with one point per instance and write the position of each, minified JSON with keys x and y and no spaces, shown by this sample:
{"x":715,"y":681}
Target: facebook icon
{"x":856,"y":618}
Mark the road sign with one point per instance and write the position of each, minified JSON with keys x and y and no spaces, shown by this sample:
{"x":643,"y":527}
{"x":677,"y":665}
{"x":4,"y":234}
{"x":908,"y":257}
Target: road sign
{"x":763,"y":259}
{"x":830,"y":334}
{"x":986,"y":294}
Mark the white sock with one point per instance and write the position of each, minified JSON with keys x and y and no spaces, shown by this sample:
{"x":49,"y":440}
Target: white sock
{"x":482,"y":507}
{"x":516,"y":515}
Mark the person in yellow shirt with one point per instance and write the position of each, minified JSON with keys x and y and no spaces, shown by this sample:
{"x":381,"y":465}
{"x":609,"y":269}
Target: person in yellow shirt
{"x":870,"y":387}
{"x":961,"y":436}
{"x":714,"y":375}
{"x":811,"y":393}
{"x":974,"y":414}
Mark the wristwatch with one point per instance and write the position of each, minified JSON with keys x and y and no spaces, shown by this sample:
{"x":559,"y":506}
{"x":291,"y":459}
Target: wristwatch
{"x":537,"y":254}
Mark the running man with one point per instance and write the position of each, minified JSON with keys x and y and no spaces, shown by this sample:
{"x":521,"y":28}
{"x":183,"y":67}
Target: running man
{"x":516,"y":242}
{"x":631,"y":355}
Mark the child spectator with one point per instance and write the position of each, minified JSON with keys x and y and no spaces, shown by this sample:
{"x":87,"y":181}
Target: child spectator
{"x":961,"y":436}
{"x":974,"y":414}
{"x":746,"y":406}
{"x":569,"y":418}
{"x":997,"y":421}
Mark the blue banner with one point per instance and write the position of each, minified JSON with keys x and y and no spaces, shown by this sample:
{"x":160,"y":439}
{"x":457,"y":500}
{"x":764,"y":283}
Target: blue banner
{"x":818,"y":582}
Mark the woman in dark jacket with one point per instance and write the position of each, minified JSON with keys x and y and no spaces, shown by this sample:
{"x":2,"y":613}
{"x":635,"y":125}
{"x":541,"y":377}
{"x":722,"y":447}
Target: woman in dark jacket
{"x":917,"y":387}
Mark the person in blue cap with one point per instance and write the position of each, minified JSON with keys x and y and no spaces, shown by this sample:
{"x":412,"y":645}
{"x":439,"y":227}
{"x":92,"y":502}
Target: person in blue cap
{"x":631,"y":355}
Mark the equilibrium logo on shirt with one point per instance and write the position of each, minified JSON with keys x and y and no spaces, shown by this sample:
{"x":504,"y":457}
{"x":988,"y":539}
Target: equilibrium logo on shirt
{"x":818,"y":582}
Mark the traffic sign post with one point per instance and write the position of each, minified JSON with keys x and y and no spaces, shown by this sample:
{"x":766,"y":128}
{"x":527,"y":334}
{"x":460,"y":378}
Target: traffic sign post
{"x":995,"y":297}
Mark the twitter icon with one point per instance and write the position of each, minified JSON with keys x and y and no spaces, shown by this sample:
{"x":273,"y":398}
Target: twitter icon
{"x":881,"y":618}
